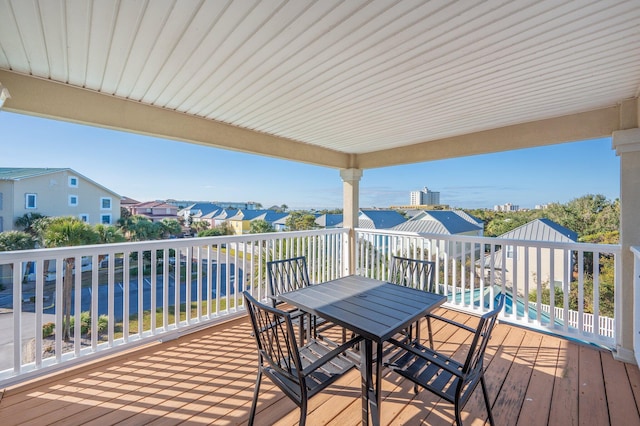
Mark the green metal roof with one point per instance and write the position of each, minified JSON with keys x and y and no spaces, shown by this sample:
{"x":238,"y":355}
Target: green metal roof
{"x":17,"y":173}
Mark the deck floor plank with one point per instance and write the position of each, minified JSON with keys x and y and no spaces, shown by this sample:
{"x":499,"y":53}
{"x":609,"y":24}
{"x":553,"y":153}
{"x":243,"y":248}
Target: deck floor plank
{"x":564,"y":400}
{"x":537,"y":401}
{"x":619,"y":394}
{"x":208,"y":377}
{"x":512,"y":393}
{"x":592,"y":398}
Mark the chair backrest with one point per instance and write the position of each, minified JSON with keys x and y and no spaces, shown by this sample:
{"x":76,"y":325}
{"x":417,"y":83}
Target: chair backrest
{"x":414,"y":273}
{"x":472,"y":368}
{"x":275,"y":338}
{"x":287,"y":275}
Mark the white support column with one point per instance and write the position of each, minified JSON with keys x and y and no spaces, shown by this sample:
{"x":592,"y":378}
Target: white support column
{"x":627,"y":146}
{"x":350,"y":209}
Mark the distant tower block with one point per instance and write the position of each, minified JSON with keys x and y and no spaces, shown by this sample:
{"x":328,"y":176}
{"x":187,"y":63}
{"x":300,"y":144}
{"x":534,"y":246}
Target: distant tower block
{"x":424,"y":197}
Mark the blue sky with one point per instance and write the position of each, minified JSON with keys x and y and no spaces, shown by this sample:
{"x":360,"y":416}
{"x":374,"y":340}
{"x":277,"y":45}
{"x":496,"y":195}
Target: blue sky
{"x":146,"y":168}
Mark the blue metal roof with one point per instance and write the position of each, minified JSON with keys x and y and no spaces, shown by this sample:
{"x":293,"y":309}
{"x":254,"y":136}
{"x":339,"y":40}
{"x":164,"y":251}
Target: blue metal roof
{"x":381,"y":219}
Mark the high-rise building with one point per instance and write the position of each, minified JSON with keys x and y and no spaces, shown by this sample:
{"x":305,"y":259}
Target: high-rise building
{"x":507,"y":207}
{"x":424,"y":197}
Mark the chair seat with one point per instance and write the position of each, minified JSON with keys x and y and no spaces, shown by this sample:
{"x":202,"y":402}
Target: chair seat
{"x":425,"y":369}
{"x":317,"y":379}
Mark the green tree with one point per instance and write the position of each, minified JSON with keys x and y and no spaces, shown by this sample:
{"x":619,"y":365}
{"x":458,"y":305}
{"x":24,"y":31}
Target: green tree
{"x":27,"y":221}
{"x":300,"y":221}
{"x":65,"y":232}
{"x":16,"y":240}
{"x":222,"y":229}
{"x":170,"y":227}
{"x":109,"y":234}
{"x":582,"y":214}
{"x":141,"y":228}
{"x":261,"y":227}
{"x":199,"y":226}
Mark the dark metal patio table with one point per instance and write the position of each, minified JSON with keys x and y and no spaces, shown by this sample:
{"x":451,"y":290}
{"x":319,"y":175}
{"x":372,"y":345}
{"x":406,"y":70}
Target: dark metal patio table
{"x":373,"y":309}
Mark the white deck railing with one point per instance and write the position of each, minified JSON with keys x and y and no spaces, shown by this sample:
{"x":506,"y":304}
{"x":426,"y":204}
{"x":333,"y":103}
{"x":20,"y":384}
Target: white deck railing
{"x":636,"y":302}
{"x":178,"y":285}
{"x":112,"y":292}
{"x":472,"y":270}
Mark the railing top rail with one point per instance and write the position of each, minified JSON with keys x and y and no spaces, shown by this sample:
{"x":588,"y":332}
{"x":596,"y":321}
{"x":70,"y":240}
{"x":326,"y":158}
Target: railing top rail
{"x":87,"y":250}
{"x":603,"y":248}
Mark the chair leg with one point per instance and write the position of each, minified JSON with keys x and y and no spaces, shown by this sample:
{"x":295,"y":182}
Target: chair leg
{"x":254,"y":404}
{"x":486,"y":400}
{"x":458,"y":411}
{"x":430,"y":332}
{"x":303,"y":412}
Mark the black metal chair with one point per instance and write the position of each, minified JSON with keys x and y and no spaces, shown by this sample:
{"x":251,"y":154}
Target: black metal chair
{"x":451,"y":380}
{"x":288,"y":275}
{"x":418,"y":274}
{"x":299,"y":372}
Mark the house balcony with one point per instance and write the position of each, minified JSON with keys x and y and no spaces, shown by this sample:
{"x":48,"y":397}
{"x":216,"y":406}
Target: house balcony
{"x":159,"y":331}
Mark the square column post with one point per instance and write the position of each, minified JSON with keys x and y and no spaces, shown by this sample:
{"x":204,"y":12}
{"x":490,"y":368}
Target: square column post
{"x":627,"y":146}
{"x":350,"y":209}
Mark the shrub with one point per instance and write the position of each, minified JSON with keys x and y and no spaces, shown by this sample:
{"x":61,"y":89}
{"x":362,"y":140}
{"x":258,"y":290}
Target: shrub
{"x":47,"y":329}
{"x":103,"y":323}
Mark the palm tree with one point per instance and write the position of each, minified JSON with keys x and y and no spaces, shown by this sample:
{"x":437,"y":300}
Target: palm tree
{"x":64,"y":232}
{"x":260,"y":227}
{"x":170,"y":227}
{"x":109,"y":234}
{"x":140,"y":228}
{"x":27,"y":222}
{"x":17,"y":240}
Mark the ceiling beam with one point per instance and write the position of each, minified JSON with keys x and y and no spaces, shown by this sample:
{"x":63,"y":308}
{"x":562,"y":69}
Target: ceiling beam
{"x":36,"y":96}
{"x":576,"y":127}
{"x":45,"y":98}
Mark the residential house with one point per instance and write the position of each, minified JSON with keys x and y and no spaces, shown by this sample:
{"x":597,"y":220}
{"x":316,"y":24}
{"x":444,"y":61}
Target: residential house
{"x":281,"y":224}
{"x":54,"y":192}
{"x":379,"y":219}
{"x":509,"y":261}
{"x":155,"y":210}
{"x":127,"y":203}
{"x":199,"y":211}
{"x":445,"y":222}
{"x":329,"y":221}
{"x":241,"y":221}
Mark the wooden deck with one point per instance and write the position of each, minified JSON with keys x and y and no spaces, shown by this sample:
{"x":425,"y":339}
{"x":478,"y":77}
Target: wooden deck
{"x":208,"y":378}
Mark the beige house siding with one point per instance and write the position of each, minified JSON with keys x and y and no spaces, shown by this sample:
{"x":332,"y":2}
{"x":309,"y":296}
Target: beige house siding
{"x":515,"y":276}
{"x":53,"y":196}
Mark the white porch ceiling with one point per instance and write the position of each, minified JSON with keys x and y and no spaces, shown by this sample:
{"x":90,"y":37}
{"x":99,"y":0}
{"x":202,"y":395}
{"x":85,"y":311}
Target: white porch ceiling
{"x":356,"y":77}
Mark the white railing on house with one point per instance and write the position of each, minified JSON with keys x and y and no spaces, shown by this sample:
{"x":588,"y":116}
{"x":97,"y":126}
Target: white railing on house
{"x":636,"y":302}
{"x":131,"y":293}
{"x":606,"y":326}
{"x":471,"y":271}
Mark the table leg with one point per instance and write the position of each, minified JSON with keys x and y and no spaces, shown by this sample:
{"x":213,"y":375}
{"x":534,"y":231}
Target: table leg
{"x":371,"y":391}
{"x":365,"y":372}
{"x":378,"y":389}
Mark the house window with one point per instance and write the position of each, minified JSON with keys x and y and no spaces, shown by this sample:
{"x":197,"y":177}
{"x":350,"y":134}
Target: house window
{"x":73,"y":182}
{"x":30,"y":201}
{"x":509,"y":252}
{"x":73,"y":200}
{"x":105,"y":203}
{"x":105,"y":219}
{"x":84,"y":217}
